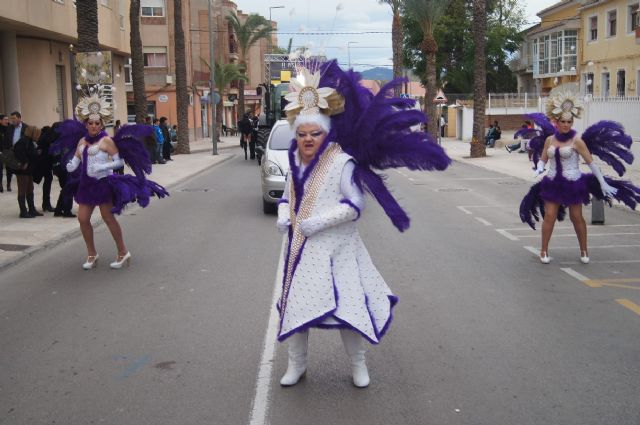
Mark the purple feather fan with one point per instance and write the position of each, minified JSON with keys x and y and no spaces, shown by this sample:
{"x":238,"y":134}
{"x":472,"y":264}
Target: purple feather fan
{"x":376,"y":131}
{"x":539,"y":136}
{"x":69,"y":134}
{"x":608,"y":141}
{"x":130,"y":143}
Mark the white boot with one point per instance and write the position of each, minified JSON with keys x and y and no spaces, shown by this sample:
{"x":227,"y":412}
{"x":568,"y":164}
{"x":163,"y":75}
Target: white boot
{"x":297,"y":359}
{"x":354,"y":346}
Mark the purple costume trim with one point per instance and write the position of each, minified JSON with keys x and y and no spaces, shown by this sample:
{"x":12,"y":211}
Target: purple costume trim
{"x":352,"y":205}
{"x":564,"y":137}
{"x":93,"y":139}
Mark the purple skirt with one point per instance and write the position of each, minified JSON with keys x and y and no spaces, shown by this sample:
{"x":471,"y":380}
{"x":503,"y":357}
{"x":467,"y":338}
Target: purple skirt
{"x":565,"y":192}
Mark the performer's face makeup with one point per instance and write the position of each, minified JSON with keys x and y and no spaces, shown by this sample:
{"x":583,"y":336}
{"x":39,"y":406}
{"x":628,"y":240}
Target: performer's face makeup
{"x":93,"y":127}
{"x":309,"y":138}
{"x":564,"y":126}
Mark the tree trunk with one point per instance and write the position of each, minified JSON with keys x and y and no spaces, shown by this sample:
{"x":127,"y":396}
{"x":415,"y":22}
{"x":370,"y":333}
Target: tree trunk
{"x":241,"y":110}
{"x":182,"y":94}
{"x":478,"y":147}
{"x":87,"y":23}
{"x":137,"y":63}
{"x":396,"y":43}
{"x":430,"y":48}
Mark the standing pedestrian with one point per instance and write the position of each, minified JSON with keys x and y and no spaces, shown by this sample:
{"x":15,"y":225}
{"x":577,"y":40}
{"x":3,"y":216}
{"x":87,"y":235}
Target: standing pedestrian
{"x":159,"y":140}
{"x":246,"y":129}
{"x":5,"y":144}
{"x":166,"y":146}
{"x":443,"y":124}
{"x":44,"y":166}
{"x":26,"y":153}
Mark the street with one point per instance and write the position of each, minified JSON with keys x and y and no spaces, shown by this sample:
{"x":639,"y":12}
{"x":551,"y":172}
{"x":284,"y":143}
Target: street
{"x":483,"y":334}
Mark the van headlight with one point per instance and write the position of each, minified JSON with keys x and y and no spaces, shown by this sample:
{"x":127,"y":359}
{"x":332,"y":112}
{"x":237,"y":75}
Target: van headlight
{"x":273,"y":169}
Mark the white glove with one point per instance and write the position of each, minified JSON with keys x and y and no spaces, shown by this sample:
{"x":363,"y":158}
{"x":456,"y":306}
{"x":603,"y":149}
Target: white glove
{"x":608,"y":191}
{"x":112,"y":165}
{"x":341,"y":213}
{"x":540,"y":168}
{"x":73,"y":164}
{"x":284,"y":217}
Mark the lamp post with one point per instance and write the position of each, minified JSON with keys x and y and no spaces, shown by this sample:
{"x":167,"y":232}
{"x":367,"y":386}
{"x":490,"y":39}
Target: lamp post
{"x":214,"y":132}
{"x":349,"y":43}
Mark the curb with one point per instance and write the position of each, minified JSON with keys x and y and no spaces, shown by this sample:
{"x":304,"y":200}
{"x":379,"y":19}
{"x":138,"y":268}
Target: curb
{"x":95,"y":222}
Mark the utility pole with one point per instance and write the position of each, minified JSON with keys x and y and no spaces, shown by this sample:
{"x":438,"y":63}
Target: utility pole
{"x":214,"y":127}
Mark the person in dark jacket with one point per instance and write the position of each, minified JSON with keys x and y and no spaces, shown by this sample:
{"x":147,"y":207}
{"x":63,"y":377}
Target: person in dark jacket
{"x":5,"y":143}
{"x":166,"y":146}
{"x":64,"y":203}
{"x":43,"y":166}
{"x":26,"y":153}
{"x":246,"y":129}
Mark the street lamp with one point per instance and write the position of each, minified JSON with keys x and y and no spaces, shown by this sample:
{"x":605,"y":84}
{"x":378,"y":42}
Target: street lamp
{"x":349,"y":43}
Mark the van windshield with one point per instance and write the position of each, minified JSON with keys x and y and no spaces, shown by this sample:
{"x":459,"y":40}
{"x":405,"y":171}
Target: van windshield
{"x":281,"y":138}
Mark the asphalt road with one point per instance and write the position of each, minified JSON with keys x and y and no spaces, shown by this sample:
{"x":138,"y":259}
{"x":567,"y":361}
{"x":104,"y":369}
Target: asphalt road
{"x":483,"y":333}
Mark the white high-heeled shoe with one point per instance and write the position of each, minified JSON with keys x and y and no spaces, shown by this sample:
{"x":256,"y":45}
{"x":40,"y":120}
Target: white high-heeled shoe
{"x":544,"y":259}
{"x":584,"y":257}
{"x":92,"y":261}
{"x":121,"y":260}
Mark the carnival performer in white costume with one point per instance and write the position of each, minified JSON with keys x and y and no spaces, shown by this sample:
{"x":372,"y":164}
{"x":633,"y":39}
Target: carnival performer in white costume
{"x":329,"y":278}
{"x":564,"y":185}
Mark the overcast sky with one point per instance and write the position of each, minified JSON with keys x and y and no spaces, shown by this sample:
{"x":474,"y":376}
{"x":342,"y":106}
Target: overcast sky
{"x":359,"y":29}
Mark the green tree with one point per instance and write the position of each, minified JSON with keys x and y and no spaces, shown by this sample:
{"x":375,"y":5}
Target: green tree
{"x":224,"y":74}
{"x":182,"y":94}
{"x":396,"y":39}
{"x":137,"y":63}
{"x":254,"y":29}
{"x":425,"y":13}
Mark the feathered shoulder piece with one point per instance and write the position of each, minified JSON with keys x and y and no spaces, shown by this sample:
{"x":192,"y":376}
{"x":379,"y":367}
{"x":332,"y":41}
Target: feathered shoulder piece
{"x":538,"y":135}
{"x":608,"y":141}
{"x":376,"y":130}
{"x":129,"y":140}
{"x":69,"y":134}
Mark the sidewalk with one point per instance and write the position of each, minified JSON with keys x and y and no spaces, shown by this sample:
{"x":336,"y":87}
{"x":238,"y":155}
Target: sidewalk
{"x":20,"y":238}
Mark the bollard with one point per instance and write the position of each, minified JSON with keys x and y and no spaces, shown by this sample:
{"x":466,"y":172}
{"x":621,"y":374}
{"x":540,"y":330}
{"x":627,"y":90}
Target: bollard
{"x":597,"y":211}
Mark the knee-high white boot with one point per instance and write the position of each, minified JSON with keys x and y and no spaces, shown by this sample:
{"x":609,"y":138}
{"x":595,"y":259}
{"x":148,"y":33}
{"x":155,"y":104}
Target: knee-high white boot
{"x":297,"y":359}
{"x":354,"y":346}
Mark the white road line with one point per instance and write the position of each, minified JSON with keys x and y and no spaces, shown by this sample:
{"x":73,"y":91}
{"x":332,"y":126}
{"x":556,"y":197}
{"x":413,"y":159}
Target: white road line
{"x":598,"y":247}
{"x":605,"y":261}
{"x":532,"y":250}
{"x":481,"y":178}
{"x":570,"y":227}
{"x":483,"y":221}
{"x":507,"y":235}
{"x":489,"y":206}
{"x":464,"y":210}
{"x":411,"y":179}
{"x":572,"y":235}
{"x":260,"y":405}
{"x":574,"y":274}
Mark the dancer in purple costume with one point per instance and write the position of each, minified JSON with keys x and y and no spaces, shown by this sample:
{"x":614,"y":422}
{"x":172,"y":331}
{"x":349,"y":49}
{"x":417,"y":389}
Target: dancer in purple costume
{"x":565,"y":185}
{"x":343,"y":133}
{"x":91,"y":162}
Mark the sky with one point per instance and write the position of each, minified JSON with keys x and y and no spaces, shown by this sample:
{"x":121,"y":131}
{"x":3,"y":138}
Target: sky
{"x":356,"y":32}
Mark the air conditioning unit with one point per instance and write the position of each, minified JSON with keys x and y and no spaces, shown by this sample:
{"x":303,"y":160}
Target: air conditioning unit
{"x":169,"y":79}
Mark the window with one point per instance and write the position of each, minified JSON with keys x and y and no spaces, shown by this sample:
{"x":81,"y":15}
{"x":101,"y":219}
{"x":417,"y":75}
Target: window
{"x":128,"y":78}
{"x":633,"y":18}
{"x":621,"y":83}
{"x":154,"y":8}
{"x":155,"y":57}
{"x":556,"y":52}
{"x":605,"y":86}
{"x":588,"y":83}
{"x":593,"y":28}
{"x":612,"y":23}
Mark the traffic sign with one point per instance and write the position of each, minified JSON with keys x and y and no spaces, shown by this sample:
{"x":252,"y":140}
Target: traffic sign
{"x":440,"y":98}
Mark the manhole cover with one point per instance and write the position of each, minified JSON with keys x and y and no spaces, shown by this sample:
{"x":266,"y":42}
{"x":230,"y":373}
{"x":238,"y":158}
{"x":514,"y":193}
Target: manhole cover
{"x":452,"y":189}
{"x":13,"y":247}
{"x":200,"y":189}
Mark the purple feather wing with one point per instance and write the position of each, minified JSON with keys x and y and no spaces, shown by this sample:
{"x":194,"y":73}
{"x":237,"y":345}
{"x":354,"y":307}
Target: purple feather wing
{"x":130,"y":143}
{"x":376,"y":130}
{"x":608,"y":141}
{"x":539,"y":136}
{"x":69,"y":134}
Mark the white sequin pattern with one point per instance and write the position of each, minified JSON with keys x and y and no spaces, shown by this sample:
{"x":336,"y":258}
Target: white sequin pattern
{"x":569,"y":159}
{"x":97,"y":156}
{"x":335,"y":278}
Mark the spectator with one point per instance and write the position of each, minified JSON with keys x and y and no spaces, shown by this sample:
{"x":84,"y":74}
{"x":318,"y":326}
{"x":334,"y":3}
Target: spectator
{"x":25,"y":152}
{"x":522,"y":141}
{"x":5,"y":144}
{"x":443,"y":124}
{"x":65,"y":200}
{"x":43,"y":167}
{"x":173,"y":134}
{"x":159,"y":140}
{"x":116,"y":127}
{"x":166,"y":146}
{"x":496,"y":133}
{"x":246,"y":129}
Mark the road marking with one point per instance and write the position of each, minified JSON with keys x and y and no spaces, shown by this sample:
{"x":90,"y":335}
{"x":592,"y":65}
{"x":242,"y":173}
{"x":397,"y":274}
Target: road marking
{"x":598,"y":247}
{"x":507,"y":235}
{"x":606,"y":261}
{"x":572,"y":235}
{"x":483,"y":221}
{"x":464,"y":210}
{"x":532,"y":250}
{"x":630,"y":305}
{"x":580,"y":277}
{"x":481,"y":178}
{"x":565,"y":227}
{"x":260,"y":405}
{"x":411,"y":179}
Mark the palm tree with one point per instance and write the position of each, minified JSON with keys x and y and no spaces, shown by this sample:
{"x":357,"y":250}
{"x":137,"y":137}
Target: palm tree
{"x":87,"y":23}
{"x":478,"y":148}
{"x":182,"y":95}
{"x":396,"y":40}
{"x":427,"y":13}
{"x":254,"y":29}
{"x":137,"y":63}
{"x":224,"y":74}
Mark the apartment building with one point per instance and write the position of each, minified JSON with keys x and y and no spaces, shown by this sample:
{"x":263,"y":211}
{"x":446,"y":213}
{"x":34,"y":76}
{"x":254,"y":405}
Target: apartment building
{"x":157,"y":32}
{"x":610,"y":32}
{"x":36,"y":61}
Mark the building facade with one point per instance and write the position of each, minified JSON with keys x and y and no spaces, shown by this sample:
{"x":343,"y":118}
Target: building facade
{"x":36,"y":56}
